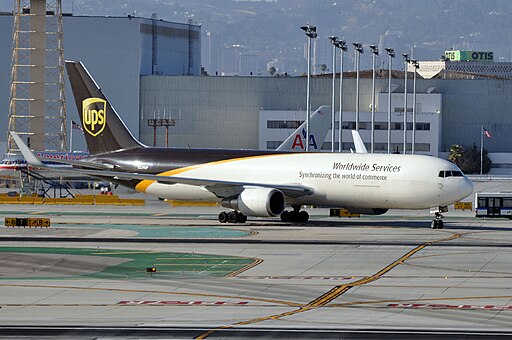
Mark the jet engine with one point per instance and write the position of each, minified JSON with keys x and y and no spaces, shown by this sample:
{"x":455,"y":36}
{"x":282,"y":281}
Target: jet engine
{"x":367,"y":211}
{"x":263,"y":202}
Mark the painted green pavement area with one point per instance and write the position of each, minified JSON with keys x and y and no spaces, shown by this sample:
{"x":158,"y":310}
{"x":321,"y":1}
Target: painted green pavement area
{"x":157,"y":231}
{"x":167,"y":264}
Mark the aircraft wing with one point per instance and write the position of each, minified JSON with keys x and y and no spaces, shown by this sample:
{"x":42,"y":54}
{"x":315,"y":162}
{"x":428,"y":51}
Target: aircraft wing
{"x":220,"y":188}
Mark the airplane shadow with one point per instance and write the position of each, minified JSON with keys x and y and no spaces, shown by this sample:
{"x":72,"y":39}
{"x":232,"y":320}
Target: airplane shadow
{"x":426,"y":224}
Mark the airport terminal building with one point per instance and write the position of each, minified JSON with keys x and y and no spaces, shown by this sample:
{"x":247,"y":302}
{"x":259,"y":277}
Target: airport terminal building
{"x":150,"y":69}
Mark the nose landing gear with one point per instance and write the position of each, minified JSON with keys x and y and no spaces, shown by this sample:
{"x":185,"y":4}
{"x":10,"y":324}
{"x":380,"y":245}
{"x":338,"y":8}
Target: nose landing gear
{"x":437,"y":223}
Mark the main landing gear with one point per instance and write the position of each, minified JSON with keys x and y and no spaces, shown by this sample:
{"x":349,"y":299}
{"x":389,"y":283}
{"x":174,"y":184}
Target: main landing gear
{"x":295,"y":215}
{"x":232,"y":217}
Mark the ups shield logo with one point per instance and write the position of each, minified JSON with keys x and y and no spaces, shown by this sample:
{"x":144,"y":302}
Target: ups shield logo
{"x":94,"y":115}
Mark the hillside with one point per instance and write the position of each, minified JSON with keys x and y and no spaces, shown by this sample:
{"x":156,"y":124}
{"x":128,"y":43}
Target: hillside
{"x":268,"y":30}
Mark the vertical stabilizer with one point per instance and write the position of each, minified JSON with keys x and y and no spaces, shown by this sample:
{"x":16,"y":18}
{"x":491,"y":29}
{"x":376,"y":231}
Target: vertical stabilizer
{"x":358,"y":142}
{"x":103,"y":128}
{"x":320,"y":123}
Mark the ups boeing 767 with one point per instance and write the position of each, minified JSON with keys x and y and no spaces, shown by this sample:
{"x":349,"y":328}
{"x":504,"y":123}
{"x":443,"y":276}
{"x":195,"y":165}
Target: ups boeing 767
{"x":259,"y":183}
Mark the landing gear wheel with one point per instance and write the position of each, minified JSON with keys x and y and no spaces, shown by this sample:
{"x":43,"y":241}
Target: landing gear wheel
{"x":233,"y":217}
{"x":285,"y":216}
{"x":440,"y":224}
{"x":303,"y":216}
{"x":434,"y":224}
{"x":242,"y":218}
{"x":295,"y":216}
{"x":223,"y":217}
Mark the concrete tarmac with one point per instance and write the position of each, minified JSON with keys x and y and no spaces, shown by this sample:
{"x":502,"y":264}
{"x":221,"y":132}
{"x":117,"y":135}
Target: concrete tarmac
{"x":386,"y":275}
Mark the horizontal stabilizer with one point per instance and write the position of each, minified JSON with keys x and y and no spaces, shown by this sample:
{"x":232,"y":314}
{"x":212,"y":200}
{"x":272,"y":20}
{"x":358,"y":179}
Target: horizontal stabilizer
{"x":25,"y":151}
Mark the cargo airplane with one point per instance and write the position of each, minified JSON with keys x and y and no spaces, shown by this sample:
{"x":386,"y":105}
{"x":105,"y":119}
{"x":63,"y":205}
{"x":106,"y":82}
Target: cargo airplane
{"x":258,"y":183}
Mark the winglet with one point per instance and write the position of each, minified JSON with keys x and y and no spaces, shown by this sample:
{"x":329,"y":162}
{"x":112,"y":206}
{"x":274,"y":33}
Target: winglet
{"x":358,"y":142}
{"x":25,"y":151}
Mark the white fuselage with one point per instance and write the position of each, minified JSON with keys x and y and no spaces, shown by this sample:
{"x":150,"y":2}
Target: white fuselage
{"x":338,"y":180}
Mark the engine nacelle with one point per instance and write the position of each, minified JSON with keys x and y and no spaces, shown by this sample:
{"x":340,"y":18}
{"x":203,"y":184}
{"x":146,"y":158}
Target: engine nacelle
{"x":263,"y":202}
{"x":367,"y":211}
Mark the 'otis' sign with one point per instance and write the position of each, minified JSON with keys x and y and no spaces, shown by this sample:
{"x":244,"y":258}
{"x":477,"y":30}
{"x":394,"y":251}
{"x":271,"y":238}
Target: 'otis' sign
{"x":469,"y":56}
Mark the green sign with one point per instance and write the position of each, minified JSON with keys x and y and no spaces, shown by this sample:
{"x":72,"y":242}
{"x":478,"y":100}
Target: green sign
{"x":458,"y":55}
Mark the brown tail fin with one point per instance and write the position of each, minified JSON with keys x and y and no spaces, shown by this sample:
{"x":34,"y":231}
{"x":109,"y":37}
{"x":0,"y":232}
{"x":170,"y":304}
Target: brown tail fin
{"x":103,"y":128}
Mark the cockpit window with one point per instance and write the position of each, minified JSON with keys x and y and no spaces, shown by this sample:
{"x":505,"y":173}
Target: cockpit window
{"x":450,"y":173}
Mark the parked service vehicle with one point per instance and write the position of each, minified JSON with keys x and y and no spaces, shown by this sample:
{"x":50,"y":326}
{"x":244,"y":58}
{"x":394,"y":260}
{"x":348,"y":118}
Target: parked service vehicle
{"x":494,"y":204}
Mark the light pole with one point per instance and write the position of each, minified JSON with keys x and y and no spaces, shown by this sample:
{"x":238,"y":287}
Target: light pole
{"x":311,"y":34}
{"x":342,"y":45}
{"x":416,"y":65}
{"x":334,"y":41}
{"x":391,"y":54}
{"x":406,"y":60}
{"x":375,"y":53}
{"x":209,"y":35}
{"x":358,"y":49}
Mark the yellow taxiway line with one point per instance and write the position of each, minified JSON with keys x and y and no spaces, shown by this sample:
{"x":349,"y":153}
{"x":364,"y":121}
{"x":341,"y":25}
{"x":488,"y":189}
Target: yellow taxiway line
{"x":335,"y":292}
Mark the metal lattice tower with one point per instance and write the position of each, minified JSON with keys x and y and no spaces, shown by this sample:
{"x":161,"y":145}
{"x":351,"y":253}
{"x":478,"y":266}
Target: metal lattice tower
{"x":37,"y":109}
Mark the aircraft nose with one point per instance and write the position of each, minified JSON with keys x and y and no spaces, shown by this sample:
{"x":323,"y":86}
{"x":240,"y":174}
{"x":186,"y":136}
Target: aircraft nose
{"x":465,"y":187}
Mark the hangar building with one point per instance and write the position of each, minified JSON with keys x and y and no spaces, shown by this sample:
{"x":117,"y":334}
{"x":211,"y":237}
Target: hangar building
{"x":117,"y":51}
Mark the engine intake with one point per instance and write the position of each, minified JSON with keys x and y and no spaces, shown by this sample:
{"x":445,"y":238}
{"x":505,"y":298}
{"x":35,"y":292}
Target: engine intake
{"x":263,"y":202}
